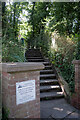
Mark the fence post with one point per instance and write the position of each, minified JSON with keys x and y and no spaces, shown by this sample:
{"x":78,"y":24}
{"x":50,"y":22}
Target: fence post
{"x":76,"y":96}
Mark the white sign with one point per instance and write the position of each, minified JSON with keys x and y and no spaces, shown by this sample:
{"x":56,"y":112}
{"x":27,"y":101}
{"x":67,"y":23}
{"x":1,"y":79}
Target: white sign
{"x":25,"y":91}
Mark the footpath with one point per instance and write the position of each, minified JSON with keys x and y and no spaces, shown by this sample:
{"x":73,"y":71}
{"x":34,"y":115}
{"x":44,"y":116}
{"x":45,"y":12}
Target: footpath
{"x":50,"y":89}
{"x":58,"y":109}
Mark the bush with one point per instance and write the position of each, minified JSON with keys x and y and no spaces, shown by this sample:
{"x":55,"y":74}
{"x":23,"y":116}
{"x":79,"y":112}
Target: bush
{"x":62,"y":58}
{"x":12,"y":51}
{"x":5,"y":113}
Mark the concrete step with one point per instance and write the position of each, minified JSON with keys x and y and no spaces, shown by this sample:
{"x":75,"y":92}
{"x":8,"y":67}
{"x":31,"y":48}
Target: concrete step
{"x":33,"y":53}
{"x":46,"y":63}
{"x":47,"y":76}
{"x":51,"y":95}
{"x":48,"y":67}
{"x":49,"y":82}
{"x":34,"y":57}
{"x":49,"y":85}
{"x":50,"y":88}
{"x":35,"y":60}
{"x":46,"y":72}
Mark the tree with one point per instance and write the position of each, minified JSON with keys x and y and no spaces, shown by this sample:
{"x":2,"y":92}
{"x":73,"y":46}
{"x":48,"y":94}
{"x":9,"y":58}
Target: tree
{"x":11,"y":47}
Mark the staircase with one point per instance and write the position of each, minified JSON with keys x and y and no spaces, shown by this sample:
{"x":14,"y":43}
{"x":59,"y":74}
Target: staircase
{"x":49,"y":85}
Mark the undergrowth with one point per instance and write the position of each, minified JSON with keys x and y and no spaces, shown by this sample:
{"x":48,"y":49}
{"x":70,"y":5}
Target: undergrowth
{"x":62,"y":56}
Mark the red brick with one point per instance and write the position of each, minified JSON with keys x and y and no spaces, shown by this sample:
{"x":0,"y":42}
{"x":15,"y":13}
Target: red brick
{"x":30,"y":109}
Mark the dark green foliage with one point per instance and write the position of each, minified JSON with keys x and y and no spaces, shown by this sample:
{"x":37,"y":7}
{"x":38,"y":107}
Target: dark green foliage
{"x":63,"y":57}
{"x":42,"y":16}
{"x":65,"y":17}
{"x":43,"y":19}
{"x":37,"y":18}
{"x":5,"y":113}
{"x":67,"y":69}
{"x":12,"y":49}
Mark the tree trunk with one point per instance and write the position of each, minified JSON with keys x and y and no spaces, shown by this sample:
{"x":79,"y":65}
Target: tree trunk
{"x":3,"y":15}
{"x":32,"y":44}
{"x":14,"y":20}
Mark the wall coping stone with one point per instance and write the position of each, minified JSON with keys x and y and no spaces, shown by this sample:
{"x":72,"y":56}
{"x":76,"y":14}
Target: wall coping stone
{"x":76,"y":62}
{"x":21,"y":67}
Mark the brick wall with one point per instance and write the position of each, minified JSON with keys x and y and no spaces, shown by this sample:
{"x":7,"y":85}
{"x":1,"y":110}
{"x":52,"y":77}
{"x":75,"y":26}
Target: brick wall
{"x":75,"y":100}
{"x":0,"y":99}
{"x":20,"y":72}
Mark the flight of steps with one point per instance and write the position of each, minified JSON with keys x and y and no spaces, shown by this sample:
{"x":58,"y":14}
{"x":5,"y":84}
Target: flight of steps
{"x":49,"y":85}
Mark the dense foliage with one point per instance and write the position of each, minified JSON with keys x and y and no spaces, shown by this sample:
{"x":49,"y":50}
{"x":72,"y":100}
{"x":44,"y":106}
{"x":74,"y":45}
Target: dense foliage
{"x":62,"y":56}
{"x":36,"y":22}
{"x":12,"y":49}
{"x":38,"y":37}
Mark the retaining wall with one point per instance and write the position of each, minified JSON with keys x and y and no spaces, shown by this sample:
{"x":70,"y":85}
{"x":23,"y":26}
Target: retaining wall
{"x":21,"y":89}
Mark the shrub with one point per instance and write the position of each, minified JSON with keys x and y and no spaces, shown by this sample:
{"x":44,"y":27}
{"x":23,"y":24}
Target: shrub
{"x":5,"y":113}
{"x":12,"y":51}
{"x":62,"y":58}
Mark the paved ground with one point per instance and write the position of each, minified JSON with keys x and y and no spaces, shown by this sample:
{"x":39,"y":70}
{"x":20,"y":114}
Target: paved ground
{"x":55,"y":109}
